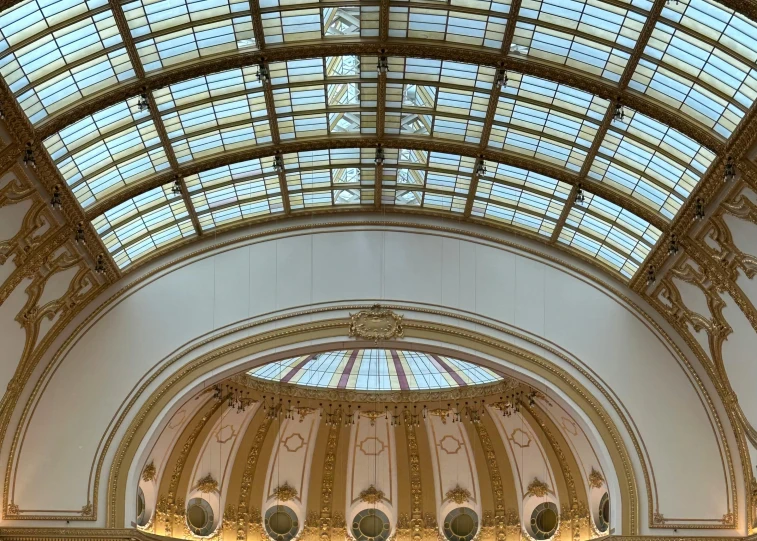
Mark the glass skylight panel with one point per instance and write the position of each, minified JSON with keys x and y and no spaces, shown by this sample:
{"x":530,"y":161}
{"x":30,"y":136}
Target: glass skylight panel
{"x":521,"y":198}
{"x":375,"y":370}
{"x":612,"y":235}
{"x":526,"y":88}
{"x":320,"y":23}
{"x":231,"y":193}
{"x":555,"y":135}
{"x":214,"y":141}
{"x":106,"y":151}
{"x":568,"y":49}
{"x":651,"y":161}
{"x":433,"y":180}
{"x":163,"y":47}
{"x":138,"y":227}
{"x":478,"y":27}
{"x":424,"y":70}
{"x":216,"y":85}
{"x":705,"y":67}
{"x":48,"y":64}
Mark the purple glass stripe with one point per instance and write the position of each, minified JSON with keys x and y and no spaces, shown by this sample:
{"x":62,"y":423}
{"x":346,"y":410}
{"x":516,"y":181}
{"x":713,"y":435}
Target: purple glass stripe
{"x":400,"y":371}
{"x":449,"y":370}
{"x":300,"y":365}
{"x":347,"y":370}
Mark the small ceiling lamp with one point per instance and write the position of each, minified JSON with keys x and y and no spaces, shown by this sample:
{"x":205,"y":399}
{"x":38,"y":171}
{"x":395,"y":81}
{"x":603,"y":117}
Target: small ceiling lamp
{"x":730,"y":170}
{"x":579,"y":195}
{"x":699,"y":210}
{"x":618,"y":114}
{"x":278,"y":163}
{"x":176,"y":188}
{"x":2,"y":114}
{"x":481,"y":167}
{"x":143,"y":104}
{"x":383,"y":64}
{"x":29,"y":160}
{"x":79,"y":236}
{"x":263,"y":75}
{"x":651,"y":279}
{"x":55,"y":201}
{"x":502,"y":79}
{"x":673,"y":245}
{"x":100,"y":264}
{"x":379,"y":159}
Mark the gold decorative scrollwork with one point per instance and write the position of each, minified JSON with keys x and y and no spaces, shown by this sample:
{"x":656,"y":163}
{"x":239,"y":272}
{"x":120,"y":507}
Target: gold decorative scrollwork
{"x":207,"y":484}
{"x":285,"y":492}
{"x":149,"y":473}
{"x":371,"y":495}
{"x":537,"y":488}
{"x":596,"y":479}
{"x":376,"y":324}
{"x":458,"y":495}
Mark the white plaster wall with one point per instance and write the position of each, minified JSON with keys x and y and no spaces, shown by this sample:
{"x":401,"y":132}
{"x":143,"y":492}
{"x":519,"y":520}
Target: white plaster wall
{"x":739,"y":359}
{"x":152,"y":321}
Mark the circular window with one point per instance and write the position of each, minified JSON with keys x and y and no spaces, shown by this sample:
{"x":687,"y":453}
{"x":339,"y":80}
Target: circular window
{"x":544,"y":520}
{"x":461,"y":524}
{"x":140,"y":506}
{"x":604,"y":513}
{"x":370,"y":525}
{"x":281,"y":523}
{"x":200,"y":517}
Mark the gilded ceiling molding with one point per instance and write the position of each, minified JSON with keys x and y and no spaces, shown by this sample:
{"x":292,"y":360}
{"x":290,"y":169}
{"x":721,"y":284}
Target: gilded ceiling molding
{"x":24,"y":134}
{"x":376,"y":324}
{"x":501,"y":519}
{"x":505,"y":386}
{"x":328,"y":520}
{"x":596,"y":479}
{"x":207,"y":484}
{"x":498,"y":241}
{"x":371,"y":495}
{"x":285,"y":492}
{"x":416,"y":523}
{"x":148,"y":474}
{"x":36,"y":227}
{"x":18,"y":188}
{"x":248,"y":518}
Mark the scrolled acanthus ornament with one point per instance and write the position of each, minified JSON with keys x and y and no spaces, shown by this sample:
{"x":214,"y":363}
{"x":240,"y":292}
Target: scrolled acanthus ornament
{"x":371,"y":495}
{"x":207,"y":484}
{"x":376,"y":324}
{"x":148,"y":474}
{"x":458,"y":495}
{"x":285,"y":492}
{"x":537,"y":488}
{"x":596,"y":480}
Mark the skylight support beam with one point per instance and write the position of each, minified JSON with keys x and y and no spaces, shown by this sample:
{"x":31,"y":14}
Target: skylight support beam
{"x":270,"y":106}
{"x":173,"y":162}
{"x":257,"y":24}
{"x":558,"y":74}
{"x":491,"y":109}
{"x":22,"y":132}
{"x":131,"y":49}
{"x":381,"y":100}
{"x":625,"y":79}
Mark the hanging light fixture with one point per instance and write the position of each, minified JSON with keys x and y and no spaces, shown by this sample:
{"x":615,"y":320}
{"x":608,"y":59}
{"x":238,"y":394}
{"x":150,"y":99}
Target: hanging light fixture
{"x":100,"y":264}
{"x":2,"y":114}
{"x":263,"y":75}
{"x":730,"y":170}
{"x":673,"y":245}
{"x":651,"y":279}
{"x":79,"y":237}
{"x":699,"y":210}
{"x":55,"y":201}
{"x":29,"y":160}
{"x":176,"y":189}
{"x":383,"y":63}
{"x":379,"y":159}
{"x":579,"y":195}
{"x":481,"y":167}
{"x":278,"y":163}
{"x":502,"y":79}
{"x":619,"y":114}
{"x":143,"y":104}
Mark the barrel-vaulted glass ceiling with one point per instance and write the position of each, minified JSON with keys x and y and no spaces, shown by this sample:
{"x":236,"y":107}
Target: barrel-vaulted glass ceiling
{"x":376,"y":370}
{"x":220,"y":129}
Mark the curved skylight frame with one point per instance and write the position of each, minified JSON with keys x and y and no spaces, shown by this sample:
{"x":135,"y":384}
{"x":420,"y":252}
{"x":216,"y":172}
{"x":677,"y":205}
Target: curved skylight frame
{"x":376,"y":369}
{"x":549,"y":135}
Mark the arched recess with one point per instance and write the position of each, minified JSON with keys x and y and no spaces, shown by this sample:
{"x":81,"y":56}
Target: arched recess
{"x":510,"y":292}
